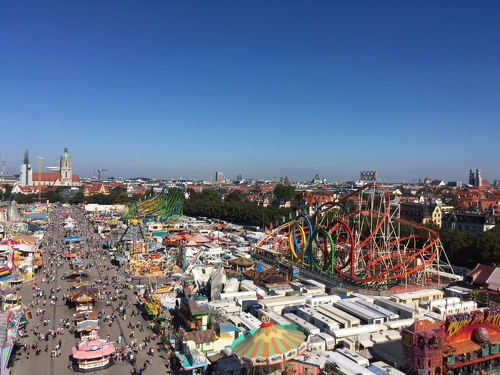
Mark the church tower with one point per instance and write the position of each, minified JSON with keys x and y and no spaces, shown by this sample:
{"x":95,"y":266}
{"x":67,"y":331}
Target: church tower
{"x":26,"y":176}
{"x":65,"y":169}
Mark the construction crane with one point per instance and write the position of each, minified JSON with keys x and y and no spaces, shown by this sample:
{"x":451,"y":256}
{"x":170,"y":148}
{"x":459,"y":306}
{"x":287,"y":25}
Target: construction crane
{"x":39,"y":178}
{"x":99,"y":173}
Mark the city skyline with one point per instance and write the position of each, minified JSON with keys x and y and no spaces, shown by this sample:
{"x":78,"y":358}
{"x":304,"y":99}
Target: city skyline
{"x":176,"y":90}
{"x":207,"y":177}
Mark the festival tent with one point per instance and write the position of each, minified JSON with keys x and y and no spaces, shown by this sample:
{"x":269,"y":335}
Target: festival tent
{"x":6,"y":245}
{"x":270,"y":344}
{"x":217,"y":233}
{"x":200,"y":239}
{"x":494,"y":280}
{"x":30,"y":240}
{"x":37,"y":216}
{"x":25,"y":248}
{"x":480,"y":274}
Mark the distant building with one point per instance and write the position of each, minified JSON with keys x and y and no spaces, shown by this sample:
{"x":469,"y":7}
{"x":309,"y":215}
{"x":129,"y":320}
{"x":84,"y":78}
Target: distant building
{"x":26,"y":176}
{"x":316,"y":180}
{"x":471,"y":222}
{"x":219,"y":176}
{"x":65,"y":177}
{"x":457,"y":184}
{"x":65,"y":169}
{"x":421,"y":213}
{"x":476,"y":179}
{"x":437,"y":183}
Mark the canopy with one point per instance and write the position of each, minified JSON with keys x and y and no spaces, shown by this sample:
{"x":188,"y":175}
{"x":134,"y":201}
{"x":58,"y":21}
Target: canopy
{"x":73,"y":239}
{"x":270,"y":344}
{"x":200,"y":239}
{"x":93,"y":349}
{"x":243,"y":262}
{"x":37,"y":216}
{"x":87,"y":325}
{"x":30,"y":240}
{"x":25,"y":248}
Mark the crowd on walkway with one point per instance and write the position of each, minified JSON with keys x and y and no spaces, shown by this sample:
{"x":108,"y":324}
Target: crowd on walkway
{"x":46,"y":335}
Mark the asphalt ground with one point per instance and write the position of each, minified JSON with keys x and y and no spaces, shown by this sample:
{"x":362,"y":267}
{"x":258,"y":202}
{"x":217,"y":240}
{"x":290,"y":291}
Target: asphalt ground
{"x":27,"y":362}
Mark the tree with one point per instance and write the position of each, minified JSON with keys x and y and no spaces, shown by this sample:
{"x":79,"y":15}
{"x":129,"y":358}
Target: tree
{"x":77,"y":198}
{"x":211,"y":195}
{"x":235,"y":196}
{"x":284,"y":192}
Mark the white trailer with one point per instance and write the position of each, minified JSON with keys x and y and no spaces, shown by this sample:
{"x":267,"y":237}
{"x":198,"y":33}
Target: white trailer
{"x":353,"y":356}
{"x":308,"y":327}
{"x":346,"y":320}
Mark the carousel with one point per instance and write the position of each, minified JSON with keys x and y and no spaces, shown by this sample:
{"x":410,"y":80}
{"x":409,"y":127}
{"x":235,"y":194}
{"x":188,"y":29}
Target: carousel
{"x":267,"y":349}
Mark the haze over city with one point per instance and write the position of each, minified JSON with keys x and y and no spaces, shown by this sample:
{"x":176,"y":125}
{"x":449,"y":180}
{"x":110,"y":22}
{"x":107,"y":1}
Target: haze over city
{"x":162,"y":89}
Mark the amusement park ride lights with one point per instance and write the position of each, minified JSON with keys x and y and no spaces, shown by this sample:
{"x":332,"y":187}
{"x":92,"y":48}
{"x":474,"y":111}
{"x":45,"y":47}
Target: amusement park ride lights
{"x":361,"y":238}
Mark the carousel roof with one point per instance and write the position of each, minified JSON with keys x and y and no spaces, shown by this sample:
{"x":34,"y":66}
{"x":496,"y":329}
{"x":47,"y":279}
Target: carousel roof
{"x":268,"y":341}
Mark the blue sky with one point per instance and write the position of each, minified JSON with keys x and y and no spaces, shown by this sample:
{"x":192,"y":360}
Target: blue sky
{"x":261,"y":88}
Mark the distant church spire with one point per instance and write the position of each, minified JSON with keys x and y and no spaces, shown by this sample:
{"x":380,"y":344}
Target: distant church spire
{"x":66,"y":169}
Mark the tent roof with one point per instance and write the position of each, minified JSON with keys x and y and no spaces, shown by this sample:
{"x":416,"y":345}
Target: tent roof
{"x":200,"y":238}
{"x":494,"y":280}
{"x":270,"y":339}
{"x":481,"y":273}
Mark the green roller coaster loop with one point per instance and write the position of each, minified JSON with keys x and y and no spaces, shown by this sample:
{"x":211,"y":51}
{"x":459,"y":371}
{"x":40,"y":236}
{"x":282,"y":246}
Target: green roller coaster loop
{"x":330,"y":266}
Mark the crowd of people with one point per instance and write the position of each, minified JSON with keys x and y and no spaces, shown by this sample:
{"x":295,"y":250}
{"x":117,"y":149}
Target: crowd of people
{"x":136,"y":338}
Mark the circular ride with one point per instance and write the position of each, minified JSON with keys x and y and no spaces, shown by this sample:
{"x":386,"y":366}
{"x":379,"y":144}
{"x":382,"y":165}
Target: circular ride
{"x":360,"y":237}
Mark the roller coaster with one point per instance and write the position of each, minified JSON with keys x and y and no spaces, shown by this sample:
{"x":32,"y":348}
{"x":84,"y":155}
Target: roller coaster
{"x":361,"y":238}
{"x":165,"y":206}
{"x":162,"y":207}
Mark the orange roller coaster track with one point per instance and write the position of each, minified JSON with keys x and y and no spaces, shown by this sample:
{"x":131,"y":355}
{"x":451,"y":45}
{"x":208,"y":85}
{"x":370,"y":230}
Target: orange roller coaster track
{"x":361,"y":238}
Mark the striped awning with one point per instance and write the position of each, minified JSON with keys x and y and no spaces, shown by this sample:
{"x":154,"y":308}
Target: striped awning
{"x":270,"y":341}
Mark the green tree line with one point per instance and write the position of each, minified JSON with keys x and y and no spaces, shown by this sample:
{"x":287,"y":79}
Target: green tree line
{"x":209,"y":204}
{"x":468,"y":249}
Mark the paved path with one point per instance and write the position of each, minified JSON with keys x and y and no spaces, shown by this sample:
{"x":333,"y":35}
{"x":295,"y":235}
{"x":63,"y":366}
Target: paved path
{"x":98,"y":267}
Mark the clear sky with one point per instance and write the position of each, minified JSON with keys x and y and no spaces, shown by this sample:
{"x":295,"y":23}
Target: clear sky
{"x":261,"y":88}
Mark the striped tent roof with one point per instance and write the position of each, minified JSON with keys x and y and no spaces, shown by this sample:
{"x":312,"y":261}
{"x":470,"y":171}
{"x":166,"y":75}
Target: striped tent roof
{"x":269,"y":340}
{"x":243,"y":262}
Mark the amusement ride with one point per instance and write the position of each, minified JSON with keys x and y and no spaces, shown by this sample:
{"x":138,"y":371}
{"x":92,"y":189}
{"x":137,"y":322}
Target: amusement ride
{"x":361,"y":238}
{"x":165,"y":206}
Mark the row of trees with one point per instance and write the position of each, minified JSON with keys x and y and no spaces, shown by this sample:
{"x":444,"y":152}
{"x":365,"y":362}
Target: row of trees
{"x":209,"y":203}
{"x":467,"y":249}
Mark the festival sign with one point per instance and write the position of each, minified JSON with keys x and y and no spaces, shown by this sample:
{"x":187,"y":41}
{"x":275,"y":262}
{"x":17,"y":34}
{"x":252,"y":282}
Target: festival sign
{"x":461,"y":326}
